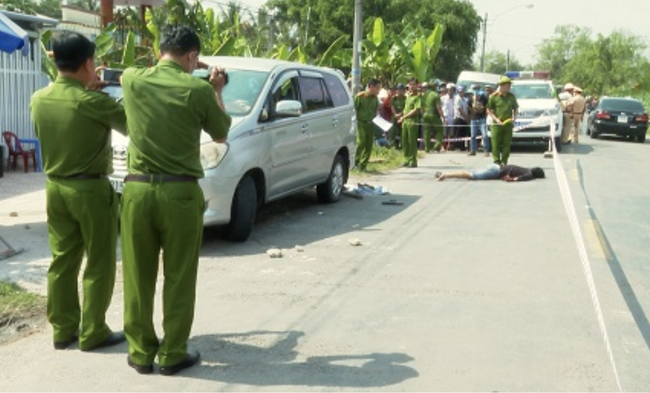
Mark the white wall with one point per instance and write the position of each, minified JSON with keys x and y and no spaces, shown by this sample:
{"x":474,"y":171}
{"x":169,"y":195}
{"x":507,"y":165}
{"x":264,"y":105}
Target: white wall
{"x":20,"y":77}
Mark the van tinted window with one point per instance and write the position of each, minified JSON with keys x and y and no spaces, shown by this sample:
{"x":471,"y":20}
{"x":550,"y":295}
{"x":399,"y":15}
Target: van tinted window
{"x":337,"y":90}
{"x":614,"y":105}
{"x":314,"y":94}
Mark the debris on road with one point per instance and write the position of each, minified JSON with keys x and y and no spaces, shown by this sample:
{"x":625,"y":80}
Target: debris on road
{"x":392,"y":202}
{"x":13,"y":214}
{"x":362,"y":189}
{"x":299,"y":249}
{"x":274,"y":253}
{"x":355,"y":242}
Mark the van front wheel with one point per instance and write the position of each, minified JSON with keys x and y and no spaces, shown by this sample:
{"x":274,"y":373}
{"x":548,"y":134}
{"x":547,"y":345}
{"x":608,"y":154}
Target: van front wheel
{"x":331,"y":190}
{"x":243,"y":211}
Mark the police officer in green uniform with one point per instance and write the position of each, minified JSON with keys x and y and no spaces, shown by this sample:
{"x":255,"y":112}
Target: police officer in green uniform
{"x":366,"y":104}
{"x":432,"y":117}
{"x":73,"y":123}
{"x":162,"y":204}
{"x":410,"y":127}
{"x":397,"y":108}
{"x":502,"y":108}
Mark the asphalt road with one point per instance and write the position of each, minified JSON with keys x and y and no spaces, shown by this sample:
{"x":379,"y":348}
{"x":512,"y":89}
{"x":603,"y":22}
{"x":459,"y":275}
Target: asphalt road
{"x":468,"y":286}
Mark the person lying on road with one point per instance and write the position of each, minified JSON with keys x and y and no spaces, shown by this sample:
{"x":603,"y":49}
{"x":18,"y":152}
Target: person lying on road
{"x":507,"y":173}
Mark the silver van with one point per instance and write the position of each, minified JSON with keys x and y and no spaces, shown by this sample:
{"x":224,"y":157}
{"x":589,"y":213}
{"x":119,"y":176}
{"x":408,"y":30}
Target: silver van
{"x":293,"y":127}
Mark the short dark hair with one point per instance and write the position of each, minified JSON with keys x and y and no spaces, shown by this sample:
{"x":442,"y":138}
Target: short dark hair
{"x":179,"y":40}
{"x":538,"y":173}
{"x":71,"y":51}
{"x":373,"y":82}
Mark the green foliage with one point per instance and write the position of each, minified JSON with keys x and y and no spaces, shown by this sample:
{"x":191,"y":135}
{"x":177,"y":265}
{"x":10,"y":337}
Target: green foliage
{"x":332,"y":19}
{"x":15,"y":302}
{"x":48,"y":66}
{"x":397,"y":55}
{"x":611,"y":64}
{"x":51,"y":8}
{"x":497,"y":63}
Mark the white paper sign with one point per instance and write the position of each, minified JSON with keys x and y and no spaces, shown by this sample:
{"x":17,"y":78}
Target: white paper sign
{"x":382,"y":123}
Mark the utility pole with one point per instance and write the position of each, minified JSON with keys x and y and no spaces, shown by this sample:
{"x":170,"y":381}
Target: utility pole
{"x":307,"y":27}
{"x":356,"y":47}
{"x":485,"y":21}
{"x":508,"y":60}
{"x":271,"y":32}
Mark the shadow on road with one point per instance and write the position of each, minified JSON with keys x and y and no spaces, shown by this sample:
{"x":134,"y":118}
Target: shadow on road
{"x":244,"y":359}
{"x":301,"y":220}
{"x":620,"y":139}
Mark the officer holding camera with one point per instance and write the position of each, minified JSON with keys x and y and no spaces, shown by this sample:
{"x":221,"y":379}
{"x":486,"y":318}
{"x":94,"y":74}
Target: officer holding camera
{"x":73,"y":123}
{"x":162,"y":204}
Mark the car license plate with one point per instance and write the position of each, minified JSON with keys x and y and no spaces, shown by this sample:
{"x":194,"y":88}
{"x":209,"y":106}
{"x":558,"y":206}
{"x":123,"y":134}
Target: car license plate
{"x":622,"y":119}
{"x":118,"y":185}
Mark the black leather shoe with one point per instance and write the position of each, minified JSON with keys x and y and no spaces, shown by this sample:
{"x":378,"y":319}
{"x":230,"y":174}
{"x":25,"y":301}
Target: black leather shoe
{"x":140,"y":369}
{"x":191,"y":359}
{"x":113,"y":339}
{"x":66,"y":344}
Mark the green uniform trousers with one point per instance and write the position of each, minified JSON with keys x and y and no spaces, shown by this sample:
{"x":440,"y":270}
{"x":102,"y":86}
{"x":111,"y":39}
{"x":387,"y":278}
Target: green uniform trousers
{"x":365,"y":140}
{"x":432,"y":128}
{"x":395,"y":131}
{"x":410,"y":132}
{"x":154,"y":216}
{"x":501,"y":141}
{"x":81,"y":217}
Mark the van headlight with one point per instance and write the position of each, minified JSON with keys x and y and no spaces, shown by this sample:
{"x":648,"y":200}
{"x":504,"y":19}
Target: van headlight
{"x":212,"y":154}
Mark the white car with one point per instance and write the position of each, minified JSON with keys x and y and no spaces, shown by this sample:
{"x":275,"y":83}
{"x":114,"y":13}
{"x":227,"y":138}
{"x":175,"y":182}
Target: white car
{"x":538,"y":109}
{"x":293,"y":127}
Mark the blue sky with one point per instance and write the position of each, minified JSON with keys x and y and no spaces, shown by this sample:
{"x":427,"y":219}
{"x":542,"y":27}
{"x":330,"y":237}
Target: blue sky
{"x":512,"y":26}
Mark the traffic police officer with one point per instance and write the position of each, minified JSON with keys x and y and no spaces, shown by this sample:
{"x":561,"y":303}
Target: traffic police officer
{"x":502,"y":108}
{"x":73,"y":124}
{"x":410,"y":127}
{"x":565,"y":102}
{"x":162,"y":204}
{"x":397,"y":106}
{"x":432,"y":117}
{"x":366,"y":104}
{"x":578,"y":105}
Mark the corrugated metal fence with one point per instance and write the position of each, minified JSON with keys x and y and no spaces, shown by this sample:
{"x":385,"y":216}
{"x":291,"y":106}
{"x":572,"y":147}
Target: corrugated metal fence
{"x":20,"y":77}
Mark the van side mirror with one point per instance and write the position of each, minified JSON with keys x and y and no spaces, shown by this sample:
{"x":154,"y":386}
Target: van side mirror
{"x":264,"y":115}
{"x":288,"y":108}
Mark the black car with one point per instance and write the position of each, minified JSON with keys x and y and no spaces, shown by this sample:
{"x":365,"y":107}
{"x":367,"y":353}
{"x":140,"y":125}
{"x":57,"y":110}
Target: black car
{"x":618,"y":116}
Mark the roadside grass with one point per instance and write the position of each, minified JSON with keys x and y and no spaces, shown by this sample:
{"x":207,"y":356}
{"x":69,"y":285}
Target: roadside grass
{"x":382,"y":160}
{"x":17,"y":303}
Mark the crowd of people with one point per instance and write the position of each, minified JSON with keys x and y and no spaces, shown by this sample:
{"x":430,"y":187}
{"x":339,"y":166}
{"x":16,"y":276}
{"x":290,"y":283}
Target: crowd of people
{"x":437,"y":117}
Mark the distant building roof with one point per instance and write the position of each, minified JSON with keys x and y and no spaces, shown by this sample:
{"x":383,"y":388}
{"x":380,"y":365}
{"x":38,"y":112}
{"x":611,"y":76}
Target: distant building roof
{"x":35,"y":20}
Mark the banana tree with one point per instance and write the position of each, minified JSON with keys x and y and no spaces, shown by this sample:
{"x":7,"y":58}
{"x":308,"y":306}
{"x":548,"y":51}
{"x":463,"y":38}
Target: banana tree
{"x":419,"y":51}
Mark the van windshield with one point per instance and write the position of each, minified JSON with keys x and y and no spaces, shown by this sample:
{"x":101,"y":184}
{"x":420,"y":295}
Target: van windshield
{"x":533,"y":91}
{"x":239,"y":95}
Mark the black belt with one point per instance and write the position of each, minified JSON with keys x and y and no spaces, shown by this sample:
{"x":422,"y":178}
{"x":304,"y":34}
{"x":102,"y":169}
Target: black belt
{"x":158,"y":178}
{"x":78,"y":176}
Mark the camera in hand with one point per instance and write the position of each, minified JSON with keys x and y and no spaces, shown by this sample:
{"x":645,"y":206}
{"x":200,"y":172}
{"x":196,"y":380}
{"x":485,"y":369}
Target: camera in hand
{"x":111,"y":75}
{"x":205,"y":74}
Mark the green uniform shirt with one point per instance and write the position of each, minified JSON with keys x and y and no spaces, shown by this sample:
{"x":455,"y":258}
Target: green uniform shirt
{"x":166,"y":109}
{"x":431,"y":103}
{"x":413,"y":101}
{"x":74,"y":126}
{"x":503,"y":105}
{"x":366,"y":106}
{"x":397,"y":103}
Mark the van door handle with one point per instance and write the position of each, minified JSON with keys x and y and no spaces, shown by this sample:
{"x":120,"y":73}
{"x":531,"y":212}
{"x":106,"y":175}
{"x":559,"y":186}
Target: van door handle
{"x":304,"y":128}
{"x":335,"y":123}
